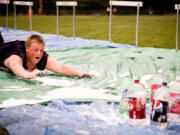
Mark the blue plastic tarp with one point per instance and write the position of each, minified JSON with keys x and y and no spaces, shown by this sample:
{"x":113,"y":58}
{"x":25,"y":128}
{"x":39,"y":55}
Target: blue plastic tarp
{"x":61,"y":117}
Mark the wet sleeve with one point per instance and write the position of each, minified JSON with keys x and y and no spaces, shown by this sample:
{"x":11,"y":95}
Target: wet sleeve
{"x":10,"y":48}
{"x":1,"y":39}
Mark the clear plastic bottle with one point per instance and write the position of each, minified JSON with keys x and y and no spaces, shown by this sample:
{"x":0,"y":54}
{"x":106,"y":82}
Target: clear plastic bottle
{"x":156,"y":83}
{"x":174,"y":103}
{"x":126,"y":83}
{"x":137,"y":104}
{"x":123,"y":108}
{"x":160,"y":107}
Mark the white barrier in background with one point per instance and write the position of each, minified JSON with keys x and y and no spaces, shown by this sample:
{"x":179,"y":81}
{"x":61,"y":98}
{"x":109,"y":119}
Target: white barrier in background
{"x":66,"y":3}
{"x":177,"y":7}
{"x":125,"y":3}
{"x":23,"y":3}
{"x":5,"y":2}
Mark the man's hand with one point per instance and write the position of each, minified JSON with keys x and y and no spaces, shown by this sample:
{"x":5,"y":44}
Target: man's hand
{"x":83,"y":74}
{"x":32,"y":75}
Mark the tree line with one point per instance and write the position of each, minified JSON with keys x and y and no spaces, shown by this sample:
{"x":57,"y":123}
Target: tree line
{"x":89,"y":6}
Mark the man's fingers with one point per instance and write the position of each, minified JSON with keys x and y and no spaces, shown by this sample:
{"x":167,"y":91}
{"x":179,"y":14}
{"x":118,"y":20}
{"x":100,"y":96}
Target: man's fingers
{"x":32,"y":75}
{"x":85,"y":75}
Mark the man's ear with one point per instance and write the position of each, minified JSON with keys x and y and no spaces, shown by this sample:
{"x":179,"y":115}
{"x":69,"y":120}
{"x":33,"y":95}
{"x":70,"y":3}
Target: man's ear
{"x":27,"y":48}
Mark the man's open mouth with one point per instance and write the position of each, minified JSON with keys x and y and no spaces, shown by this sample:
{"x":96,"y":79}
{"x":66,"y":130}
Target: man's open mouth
{"x":37,"y":58}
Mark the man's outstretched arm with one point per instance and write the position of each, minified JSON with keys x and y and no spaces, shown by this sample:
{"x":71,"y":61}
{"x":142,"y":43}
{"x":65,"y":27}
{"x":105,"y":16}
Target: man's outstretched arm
{"x":14,"y":63}
{"x":63,"y":69}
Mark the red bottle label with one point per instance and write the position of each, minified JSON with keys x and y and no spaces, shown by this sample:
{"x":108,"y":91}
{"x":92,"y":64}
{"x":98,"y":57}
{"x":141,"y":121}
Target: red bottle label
{"x":153,"y":88}
{"x":137,"y":108}
{"x":174,"y":103}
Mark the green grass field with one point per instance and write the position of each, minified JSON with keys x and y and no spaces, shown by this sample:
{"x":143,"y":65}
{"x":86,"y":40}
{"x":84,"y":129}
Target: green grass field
{"x":154,"y":31}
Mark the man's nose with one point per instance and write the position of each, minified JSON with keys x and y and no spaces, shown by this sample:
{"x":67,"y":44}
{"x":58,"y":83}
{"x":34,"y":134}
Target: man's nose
{"x":39,"y":52}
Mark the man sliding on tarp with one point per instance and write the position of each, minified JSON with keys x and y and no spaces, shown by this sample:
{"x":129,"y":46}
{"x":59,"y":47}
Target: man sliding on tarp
{"x":22,"y":58}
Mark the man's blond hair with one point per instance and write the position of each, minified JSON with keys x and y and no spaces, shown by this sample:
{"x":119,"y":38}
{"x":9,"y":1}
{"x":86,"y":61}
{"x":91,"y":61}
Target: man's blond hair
{"x":34,"y":38}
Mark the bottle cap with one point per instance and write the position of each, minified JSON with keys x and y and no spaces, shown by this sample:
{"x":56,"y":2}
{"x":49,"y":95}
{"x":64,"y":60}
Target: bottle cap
{"x":136,"y":81}
{"x":164,"y":83}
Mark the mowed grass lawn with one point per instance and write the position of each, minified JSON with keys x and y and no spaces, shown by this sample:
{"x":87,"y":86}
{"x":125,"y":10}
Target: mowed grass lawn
{"x":154,"y":31}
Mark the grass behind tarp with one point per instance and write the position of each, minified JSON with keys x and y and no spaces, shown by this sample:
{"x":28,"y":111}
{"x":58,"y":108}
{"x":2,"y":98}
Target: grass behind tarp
{"x":154,"y":31}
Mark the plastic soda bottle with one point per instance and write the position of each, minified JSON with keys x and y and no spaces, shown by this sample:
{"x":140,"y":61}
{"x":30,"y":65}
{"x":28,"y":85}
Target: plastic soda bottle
{"x":137,"y":104}
{"x":126,"y":83}
{"x":123,"y":109}
{"x":174,"y":102}
{"x":160,"y":107}
{"x":156,"y":83}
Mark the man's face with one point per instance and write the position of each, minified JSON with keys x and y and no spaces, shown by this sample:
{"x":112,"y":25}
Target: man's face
{"x":34,"y":52}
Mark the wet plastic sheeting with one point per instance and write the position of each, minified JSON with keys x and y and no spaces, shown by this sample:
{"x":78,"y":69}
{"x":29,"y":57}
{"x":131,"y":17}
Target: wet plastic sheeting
{"x":54,"y":41}
{"x":108,"y":62}
{"x":69,"y":118}
{"x":109,"y":66}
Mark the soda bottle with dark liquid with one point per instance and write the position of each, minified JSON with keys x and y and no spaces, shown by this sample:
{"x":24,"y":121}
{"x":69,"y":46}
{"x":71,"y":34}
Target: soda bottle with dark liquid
{"x":160,"y":107}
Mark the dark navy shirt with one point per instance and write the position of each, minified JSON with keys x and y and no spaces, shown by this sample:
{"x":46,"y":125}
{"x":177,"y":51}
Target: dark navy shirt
{"x":18,"y":48}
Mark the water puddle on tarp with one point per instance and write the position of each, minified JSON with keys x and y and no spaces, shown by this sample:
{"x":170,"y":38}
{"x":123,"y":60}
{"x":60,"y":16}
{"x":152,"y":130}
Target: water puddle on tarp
{"x":107,"y":64}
